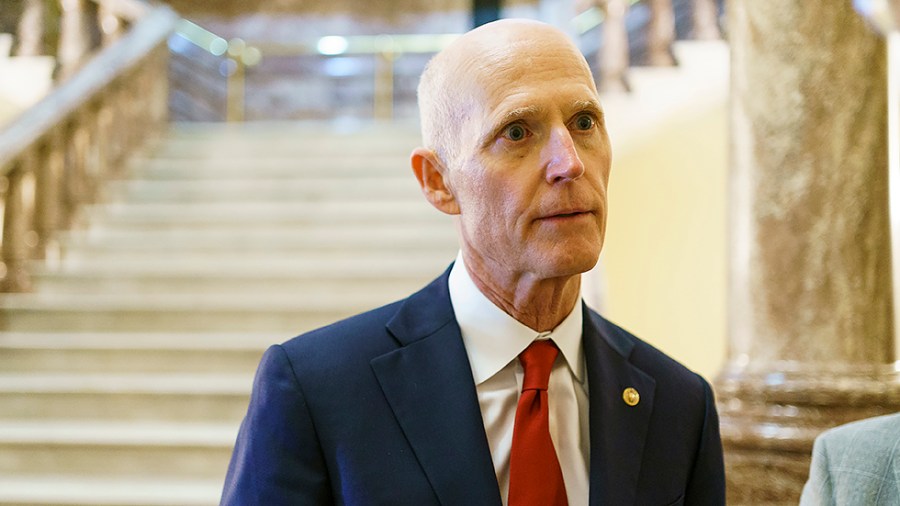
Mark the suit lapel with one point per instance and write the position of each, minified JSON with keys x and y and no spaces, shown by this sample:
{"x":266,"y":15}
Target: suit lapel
{"x":428,"y":384}
{"x":618,"y":431}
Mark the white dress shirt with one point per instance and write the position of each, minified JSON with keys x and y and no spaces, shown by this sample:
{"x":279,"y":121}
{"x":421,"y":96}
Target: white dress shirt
{"x":493,"y":341}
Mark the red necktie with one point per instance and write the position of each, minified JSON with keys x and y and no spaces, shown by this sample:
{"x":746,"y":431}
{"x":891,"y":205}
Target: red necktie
{"x":535,"y":478}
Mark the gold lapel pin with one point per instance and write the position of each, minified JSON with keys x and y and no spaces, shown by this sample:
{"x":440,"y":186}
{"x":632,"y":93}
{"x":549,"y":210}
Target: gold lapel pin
{"x":631,"y":396}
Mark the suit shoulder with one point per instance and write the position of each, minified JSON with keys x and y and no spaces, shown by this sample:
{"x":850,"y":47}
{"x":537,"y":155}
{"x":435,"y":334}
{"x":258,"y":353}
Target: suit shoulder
{"x":363,"y":335}
{"x":668,"y":372}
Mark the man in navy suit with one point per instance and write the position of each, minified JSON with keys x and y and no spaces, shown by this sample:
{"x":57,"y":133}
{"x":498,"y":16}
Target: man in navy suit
{"x":415,"y":403}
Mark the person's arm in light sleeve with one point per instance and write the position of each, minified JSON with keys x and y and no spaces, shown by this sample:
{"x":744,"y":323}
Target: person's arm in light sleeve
{"x":817,"y":491}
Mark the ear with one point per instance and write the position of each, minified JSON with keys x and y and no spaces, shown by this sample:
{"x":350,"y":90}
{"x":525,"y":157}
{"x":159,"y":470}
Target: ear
{"x":432,"y":176}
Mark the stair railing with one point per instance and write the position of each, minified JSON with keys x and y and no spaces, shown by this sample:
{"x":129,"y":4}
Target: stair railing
{"x":55,"y":156}
{"x":386,"y":49}
{"x":613,"y":58}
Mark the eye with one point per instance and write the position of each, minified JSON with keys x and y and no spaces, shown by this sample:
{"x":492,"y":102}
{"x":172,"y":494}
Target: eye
{"x":515,"y":132}
{"x":584,"y":122}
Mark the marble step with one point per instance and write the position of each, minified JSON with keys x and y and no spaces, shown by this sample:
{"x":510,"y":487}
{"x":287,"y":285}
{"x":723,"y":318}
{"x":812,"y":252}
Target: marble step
{"x":129,"y":312}
{"x":185,"y":139}
{"x":181,"y":147}
{"x":660,"y":94}
{"x":116,"y":449}
{"x":236,"y":167}
{"x":288,"y":261}
{"x":381,"y":237}
{"x":126,"y":396}
{"x":258,"y":189}
{"x":84,"y":281}
{"x":328,"y":265}
{"x":291,"y":213}
{"x":77,"y":490}
{"x":264,"y":130}
{"x":137,"y":352}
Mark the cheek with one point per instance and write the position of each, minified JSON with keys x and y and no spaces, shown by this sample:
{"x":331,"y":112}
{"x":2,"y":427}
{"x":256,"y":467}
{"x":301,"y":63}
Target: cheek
{"x":599,"y":165}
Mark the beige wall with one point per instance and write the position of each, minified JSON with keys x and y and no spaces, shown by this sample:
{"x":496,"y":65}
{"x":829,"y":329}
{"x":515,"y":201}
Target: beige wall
{"x":665,"y":254}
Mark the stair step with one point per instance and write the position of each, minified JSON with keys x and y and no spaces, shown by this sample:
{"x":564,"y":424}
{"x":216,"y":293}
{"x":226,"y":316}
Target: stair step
{"x":660,"y":93}
{"x":704,"y":55}
{"x":240,"y":166}
{"x":84,"y":281}
{"x":116,"y":449}
{"x":97,"y":352}
{"x":221,"y":237}
{"x":315,"y":146}
{"x":296,"y":214}
{"x":371,"y":265}
{"x":288,"y":262}
{"x":121,"y":397}
{"x":320,"y":145}
{"x":124,"y":312}
{"x":291,"y":138}
{"x":77,"y":490}
{"x":231,"y":190}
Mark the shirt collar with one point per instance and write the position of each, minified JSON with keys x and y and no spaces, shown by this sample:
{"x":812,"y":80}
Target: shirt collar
{"x":493,"y":338}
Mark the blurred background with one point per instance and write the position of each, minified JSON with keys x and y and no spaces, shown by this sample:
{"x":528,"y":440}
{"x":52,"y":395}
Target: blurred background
{"x":335,"y":63}
{"x":186,"y":183}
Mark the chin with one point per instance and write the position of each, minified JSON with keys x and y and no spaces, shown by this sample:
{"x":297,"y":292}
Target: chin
{"x":571,"y":263}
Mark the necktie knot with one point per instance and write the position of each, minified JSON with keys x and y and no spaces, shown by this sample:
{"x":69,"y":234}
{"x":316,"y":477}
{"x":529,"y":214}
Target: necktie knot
{"x":537,"y":361}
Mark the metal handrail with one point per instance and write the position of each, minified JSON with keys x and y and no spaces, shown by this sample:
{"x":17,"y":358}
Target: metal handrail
{"x":239,"y":53}
{"x":591,"y":18}
{"x":385,"y":48}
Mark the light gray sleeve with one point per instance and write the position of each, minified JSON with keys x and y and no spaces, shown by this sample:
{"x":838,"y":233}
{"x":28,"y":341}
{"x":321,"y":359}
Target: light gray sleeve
{"x":854,"y":465}
{"x":818,"y":489}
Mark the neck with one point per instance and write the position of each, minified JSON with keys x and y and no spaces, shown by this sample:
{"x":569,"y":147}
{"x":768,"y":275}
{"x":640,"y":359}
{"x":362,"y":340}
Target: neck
{"x":539,"y":303}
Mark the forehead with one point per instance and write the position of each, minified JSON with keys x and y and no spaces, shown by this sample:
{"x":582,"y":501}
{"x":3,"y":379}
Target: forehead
{"x":517,"y":55}
{"x":533,"y":74}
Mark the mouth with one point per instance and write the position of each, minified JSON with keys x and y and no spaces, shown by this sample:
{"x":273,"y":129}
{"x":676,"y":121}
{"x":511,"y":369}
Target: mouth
{"x":566,"y":215}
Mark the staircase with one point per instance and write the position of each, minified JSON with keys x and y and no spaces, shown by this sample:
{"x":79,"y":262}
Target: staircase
{"x":125,"y":374}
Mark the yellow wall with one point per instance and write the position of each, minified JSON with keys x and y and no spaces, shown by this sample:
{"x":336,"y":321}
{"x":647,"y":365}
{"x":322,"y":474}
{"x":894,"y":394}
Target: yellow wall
{"x":665,"y":253}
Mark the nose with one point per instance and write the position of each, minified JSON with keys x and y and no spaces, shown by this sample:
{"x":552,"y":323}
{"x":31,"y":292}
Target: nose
{"x":561,"y":158}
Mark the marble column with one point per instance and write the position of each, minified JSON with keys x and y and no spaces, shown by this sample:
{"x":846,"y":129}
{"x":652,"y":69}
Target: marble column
{"x":811,"y":313}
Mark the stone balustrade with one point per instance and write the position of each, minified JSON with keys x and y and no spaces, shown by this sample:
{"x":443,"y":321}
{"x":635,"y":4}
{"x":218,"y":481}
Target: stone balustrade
{"x":55,"y":157}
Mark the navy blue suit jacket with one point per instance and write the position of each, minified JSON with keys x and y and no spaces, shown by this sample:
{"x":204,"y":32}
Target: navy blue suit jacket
{"x":381,"y":409}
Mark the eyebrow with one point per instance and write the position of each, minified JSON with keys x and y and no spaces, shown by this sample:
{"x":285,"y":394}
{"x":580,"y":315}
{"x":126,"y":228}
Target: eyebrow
{"x":510,"y":117}
{"x":588,"y":105}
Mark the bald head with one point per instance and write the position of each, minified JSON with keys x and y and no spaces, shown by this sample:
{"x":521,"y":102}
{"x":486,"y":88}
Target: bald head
{"x":456,"y":78}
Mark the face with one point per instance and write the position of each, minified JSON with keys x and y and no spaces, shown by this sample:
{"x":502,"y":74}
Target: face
{"x":531,"y":182}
